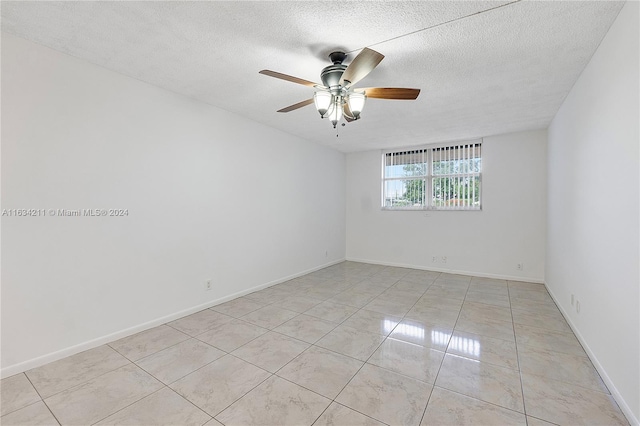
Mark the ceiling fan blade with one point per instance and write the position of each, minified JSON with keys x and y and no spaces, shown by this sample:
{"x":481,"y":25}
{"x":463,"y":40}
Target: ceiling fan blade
{"x":361,"y":65}
{"x":288,"y":78}
{"x":390,"y":93}
{"x":296,"y":106}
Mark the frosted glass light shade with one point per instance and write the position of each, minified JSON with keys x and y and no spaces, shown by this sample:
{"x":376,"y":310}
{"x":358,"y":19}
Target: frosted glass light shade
{"x":336,"y":111}
{"x":322,"y":100}
{"x":356,"y":103}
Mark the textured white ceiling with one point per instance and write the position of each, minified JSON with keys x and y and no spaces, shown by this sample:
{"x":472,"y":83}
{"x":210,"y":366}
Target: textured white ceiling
{"x":507,"y":69}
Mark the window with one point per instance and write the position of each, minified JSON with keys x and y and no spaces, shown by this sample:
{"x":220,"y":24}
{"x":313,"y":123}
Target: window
{"x":438,"y":177}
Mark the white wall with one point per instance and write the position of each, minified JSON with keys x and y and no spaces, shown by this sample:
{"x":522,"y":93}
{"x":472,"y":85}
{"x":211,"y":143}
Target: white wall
{"x":593,"y":216}
{"x":209,"y":194}
{"x":509,"y":230}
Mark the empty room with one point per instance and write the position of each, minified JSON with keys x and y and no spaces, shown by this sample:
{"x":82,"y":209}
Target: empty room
{"x":320,"y":213}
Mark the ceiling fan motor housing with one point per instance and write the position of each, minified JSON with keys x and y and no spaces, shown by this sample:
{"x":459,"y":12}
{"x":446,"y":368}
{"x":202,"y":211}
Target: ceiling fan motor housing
{"x":331,"y":75}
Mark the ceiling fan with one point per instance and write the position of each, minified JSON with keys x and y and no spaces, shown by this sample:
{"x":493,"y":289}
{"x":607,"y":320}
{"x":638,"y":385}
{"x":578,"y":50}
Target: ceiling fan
{"x":337,"y":97}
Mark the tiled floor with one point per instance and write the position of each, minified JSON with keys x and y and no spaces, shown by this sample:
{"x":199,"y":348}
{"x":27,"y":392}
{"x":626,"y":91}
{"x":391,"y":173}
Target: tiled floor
{"x":353,"y":344}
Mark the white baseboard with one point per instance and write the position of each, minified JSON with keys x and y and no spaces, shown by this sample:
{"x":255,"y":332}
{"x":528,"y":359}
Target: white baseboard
{"x":94,"y":343}
{"x":451,"y":271}
{"x":624,"y":407}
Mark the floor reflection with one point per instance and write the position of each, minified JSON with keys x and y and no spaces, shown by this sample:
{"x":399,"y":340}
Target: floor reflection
{"x":465,"y":345}
{"x":440,"y":338}
{"x":407,"y":330}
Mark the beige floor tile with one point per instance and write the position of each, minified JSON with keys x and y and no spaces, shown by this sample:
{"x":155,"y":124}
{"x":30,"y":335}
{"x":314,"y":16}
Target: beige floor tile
{"x":487,"y":382}
{"x":500,"y":293}
{"x":354,"y":298}
{"x":373,"y":322}
{"x":562,"y":403}
{"x":481,"y":311}
{"x":499,"y":288}
{"x":451,"y":280}
{"x":406,"y":290}
{"x":537,"y":295}
{"x":323,"y":293}
{"x":275,"y":402}
{"x":532,"y":421}
{"x":450,"y":408}
{"x":374,"y":284}
{"x":269,"y":317}
{"x":298,"y":303}
{"x":394,"y":272}
{"x":16,"y":392}
{"x":148,"y":342}
{"x":377,"y":285}
{"x":389,"y":306}
{"x":177,"y":361}
{"x":546,"y":321}
{"x":487,"y":298}
{"x":416,"y":287}
{"x":217,"y":385}
{"x":421,"y":277}
{"x":549,"y":340}
{"x":231,"y":335}
{"x":576,"y":370}
{"x":100,"y":397}
{"x":74,"y":370}
{"x":332,"y":311}
{"x":386,"y":396}
{"x":409,"y":359}
{"x":321,"y":371}
{"x":200,"y":322}
{"x":306,"y":328}
{"x":213,"y":422}
{"x":339,"y":415}
{"x":521,"y":285}
{"x":488,"y":281}
{"x":423,"y":334}
{"x":487,"y":327}
{"x":447,"y":292}
{"x":534,"y":306}
{"x":486,"y":349}
{"x":433,"y":300}
{"x":400,"y":296}
{"x":237,"y":307}
{"x":432,"y":315}
{"x":163,"y":408}
{"x":351,"y":342}
{"x":271,"y":351}
{"x":36,"y":414}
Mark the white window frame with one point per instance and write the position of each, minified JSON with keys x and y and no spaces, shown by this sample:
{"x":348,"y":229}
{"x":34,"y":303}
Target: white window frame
{"x":430,"y":153}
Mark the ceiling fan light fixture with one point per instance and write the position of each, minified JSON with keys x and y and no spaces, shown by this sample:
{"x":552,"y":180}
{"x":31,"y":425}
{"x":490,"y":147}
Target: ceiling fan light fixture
{"x":335,"y":97}
{"x":323,"y":101}
{"x":356,"y":103}
{"x":336,"y":111}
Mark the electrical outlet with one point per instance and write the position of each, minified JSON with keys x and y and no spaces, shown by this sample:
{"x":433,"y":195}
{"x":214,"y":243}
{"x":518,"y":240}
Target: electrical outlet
{"x":444,"y":259}
{"x":207,"y":285}
{"x":577,"y":306}
{"x":435,"y":259}
{"x":519,"y":266}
